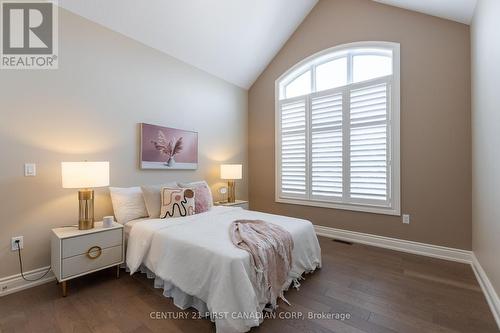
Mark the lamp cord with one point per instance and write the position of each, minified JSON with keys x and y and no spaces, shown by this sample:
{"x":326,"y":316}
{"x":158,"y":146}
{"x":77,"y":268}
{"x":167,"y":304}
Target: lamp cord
{"x":21,"y":266}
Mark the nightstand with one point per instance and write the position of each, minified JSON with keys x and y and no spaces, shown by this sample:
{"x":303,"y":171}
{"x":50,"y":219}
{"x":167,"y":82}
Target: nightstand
{"x":80,"y":252}
{"x":238,"y":203}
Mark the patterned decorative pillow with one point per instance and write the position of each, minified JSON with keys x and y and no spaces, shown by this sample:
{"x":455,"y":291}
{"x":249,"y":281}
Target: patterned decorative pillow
{"x":202,"y":195}
{"x":177,"y":202}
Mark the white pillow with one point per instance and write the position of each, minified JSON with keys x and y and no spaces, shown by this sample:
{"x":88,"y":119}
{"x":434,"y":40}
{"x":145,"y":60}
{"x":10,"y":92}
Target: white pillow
{"x":152,"y":198}
{"x":128,"y":203}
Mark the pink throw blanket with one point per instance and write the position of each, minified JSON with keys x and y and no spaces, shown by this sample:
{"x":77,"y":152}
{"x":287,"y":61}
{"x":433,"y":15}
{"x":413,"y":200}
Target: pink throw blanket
{"x":270,"y":247}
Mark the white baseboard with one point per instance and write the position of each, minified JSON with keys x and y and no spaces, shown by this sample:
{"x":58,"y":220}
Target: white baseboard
{"x":15,"y":283}
{"x":488,"y":290}
{"x":423,"y":249}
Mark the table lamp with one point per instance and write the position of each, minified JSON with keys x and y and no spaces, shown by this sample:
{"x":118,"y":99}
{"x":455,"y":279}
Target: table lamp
{"x":231,"y":172}
{"x":84,"y":176}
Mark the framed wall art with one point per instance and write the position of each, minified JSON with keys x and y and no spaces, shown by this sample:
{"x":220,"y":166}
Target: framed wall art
{"x":168,"y":148}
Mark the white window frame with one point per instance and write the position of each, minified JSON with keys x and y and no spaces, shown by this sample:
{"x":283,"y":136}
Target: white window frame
{"x":393,"y":204}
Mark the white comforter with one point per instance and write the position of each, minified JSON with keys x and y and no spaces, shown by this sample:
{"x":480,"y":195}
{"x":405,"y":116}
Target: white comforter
{"x":196,"y":254}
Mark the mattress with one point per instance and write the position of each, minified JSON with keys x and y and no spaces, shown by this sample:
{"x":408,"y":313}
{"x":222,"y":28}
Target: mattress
{"x":128,"y":226}
{"x":193,"y":256}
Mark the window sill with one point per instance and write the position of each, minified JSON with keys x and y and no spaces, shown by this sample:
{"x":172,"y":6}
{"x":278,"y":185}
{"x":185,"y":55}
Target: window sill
{"x":343,"y":206}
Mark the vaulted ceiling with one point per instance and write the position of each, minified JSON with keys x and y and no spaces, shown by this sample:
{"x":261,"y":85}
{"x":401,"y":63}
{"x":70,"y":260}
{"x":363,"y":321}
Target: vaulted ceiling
{"x":232,"y":39}
{"x":455,"y":10}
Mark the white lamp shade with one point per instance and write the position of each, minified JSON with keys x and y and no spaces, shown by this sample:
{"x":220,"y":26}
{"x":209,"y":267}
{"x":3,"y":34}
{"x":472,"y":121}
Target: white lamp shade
{"x":231,"y":171}
{"x":85,"y":174}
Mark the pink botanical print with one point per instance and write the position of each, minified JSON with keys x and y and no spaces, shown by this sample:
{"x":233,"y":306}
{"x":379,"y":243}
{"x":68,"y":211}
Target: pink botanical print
{"x":168,"y":148}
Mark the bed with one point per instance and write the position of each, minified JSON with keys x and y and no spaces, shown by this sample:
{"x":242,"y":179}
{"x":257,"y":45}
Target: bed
{"x":193,"y":259}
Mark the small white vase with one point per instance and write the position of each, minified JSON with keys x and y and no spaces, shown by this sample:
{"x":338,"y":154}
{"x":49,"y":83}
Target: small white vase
{"x":171,"y":162}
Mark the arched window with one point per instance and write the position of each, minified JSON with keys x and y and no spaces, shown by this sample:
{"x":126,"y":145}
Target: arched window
{"x":337,"y":129}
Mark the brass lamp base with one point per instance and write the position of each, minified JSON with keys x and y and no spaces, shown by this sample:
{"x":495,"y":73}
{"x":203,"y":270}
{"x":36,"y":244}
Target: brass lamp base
{"x":86,"y":215}
{"x":231,"y":186}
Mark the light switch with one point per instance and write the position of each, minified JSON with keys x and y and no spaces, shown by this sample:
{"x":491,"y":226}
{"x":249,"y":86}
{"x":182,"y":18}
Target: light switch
{"x":30,"y":170}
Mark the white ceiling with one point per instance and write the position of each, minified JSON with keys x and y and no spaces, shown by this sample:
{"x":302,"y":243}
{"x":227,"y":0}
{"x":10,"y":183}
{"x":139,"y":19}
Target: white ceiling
{"x":456,"y":10}
{"x":231,"y":39}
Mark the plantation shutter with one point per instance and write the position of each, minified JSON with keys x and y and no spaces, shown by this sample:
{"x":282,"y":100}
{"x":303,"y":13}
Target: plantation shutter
{"x":293,"y":120}
{"x":338,"y":130}
{"x":369,"y":143}
{"x":326,"y":146}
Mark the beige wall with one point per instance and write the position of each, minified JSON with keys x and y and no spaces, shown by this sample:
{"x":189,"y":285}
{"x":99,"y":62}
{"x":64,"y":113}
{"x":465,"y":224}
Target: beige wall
{"x":90,"y":109}
{"x":485,"y":45}
{"x":435,"y":120}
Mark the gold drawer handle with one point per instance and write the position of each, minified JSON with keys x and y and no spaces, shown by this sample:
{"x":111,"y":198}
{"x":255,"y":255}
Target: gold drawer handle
{"x":90,"y":255}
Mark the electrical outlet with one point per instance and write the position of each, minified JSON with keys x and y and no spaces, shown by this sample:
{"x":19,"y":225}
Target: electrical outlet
{"x":406,"y":218}
{"x":30,"y":170}
{"x":13,"y":243}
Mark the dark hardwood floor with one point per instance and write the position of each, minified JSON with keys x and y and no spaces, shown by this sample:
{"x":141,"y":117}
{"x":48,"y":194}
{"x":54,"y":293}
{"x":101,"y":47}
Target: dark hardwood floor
{"x":379,"y":290}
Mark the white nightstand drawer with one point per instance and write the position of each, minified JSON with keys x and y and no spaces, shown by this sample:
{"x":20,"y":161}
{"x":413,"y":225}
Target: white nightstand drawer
{"x":70,"y":256}
{"x":80,"y":245}
{"x":83,"y":264}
